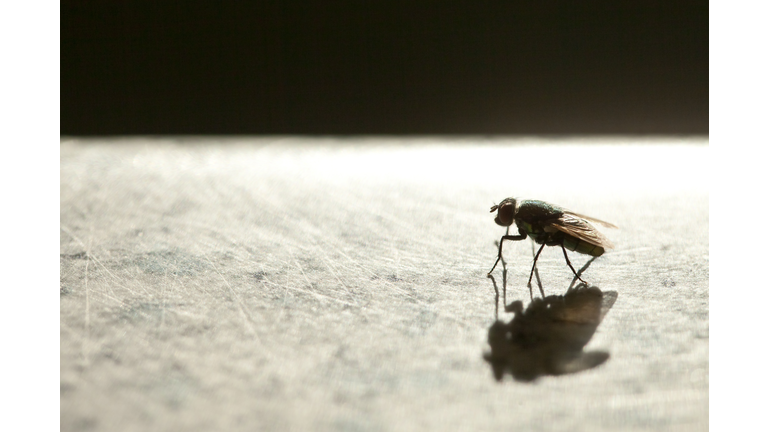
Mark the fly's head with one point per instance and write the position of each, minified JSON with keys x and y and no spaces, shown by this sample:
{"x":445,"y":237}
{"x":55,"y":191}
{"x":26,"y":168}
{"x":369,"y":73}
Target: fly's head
{"x":506,"y":212}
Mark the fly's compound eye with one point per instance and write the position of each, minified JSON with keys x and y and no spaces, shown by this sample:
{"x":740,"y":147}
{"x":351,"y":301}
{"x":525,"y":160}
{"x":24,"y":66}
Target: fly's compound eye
{"x":506,"y":215}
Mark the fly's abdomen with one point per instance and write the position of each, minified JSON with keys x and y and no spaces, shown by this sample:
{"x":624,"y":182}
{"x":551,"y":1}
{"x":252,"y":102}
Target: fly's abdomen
{"x":581,"y":246}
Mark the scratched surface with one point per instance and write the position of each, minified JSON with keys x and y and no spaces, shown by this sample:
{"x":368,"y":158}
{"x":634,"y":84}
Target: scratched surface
{"x":340,"y":284}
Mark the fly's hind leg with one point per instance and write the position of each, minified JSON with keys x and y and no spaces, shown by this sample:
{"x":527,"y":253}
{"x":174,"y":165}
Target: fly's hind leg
{"x":567,"y":261}
{"x":581,"y":272}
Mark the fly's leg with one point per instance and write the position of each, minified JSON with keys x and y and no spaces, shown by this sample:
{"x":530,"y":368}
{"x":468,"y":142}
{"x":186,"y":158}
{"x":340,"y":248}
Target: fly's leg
{"x":507,"y":308}
{"x":581,"y":272}
{"x":534,"y":266}
{"x":501,"y":243}
{"x":536,"y":272}
{"x":499,"y":258}
{"x":567,"y":261}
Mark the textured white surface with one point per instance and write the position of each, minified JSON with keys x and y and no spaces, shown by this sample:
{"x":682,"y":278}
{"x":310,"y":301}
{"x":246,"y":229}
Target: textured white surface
{"x":339,"y":284}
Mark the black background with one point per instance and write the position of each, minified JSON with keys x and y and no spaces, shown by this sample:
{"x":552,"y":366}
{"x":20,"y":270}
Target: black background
{"x":384,"y":67}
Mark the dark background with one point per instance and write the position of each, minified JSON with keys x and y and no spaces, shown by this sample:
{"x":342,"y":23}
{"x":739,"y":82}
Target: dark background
{"x":384,"y":67}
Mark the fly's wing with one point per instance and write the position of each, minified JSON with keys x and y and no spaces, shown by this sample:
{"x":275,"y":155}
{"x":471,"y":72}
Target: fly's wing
{"x":575,"y":225}
{"x":591,"y":219}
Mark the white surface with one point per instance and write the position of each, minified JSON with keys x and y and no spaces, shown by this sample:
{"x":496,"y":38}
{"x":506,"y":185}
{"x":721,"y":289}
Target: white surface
{"x":294,"y":284}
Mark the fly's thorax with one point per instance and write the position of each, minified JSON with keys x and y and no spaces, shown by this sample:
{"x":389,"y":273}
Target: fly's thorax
{"x":525,"y":226}
{"x":534,"y":231}
{"x":540,"y":233}
{"x":534,"y":211}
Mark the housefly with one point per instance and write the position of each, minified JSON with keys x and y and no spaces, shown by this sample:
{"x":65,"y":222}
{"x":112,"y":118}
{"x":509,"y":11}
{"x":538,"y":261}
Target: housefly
{"x":550,"y":225}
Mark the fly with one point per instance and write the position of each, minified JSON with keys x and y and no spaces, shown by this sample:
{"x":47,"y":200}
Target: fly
{"x":550,"y":225}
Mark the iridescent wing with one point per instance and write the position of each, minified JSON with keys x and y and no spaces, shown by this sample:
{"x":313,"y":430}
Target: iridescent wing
{"x":591,"y":219}
{"x":577,"y":226}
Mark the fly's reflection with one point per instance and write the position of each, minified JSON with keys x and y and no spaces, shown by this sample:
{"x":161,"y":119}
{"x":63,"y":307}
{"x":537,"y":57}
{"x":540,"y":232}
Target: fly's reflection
{"x":548,"y":337}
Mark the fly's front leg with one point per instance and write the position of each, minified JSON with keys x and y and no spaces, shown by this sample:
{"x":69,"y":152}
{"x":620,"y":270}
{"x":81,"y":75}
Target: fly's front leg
{"x":521,"y":236}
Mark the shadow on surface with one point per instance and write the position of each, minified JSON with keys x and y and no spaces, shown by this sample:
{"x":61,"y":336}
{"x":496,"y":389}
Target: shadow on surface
{"x":548,"y":337}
